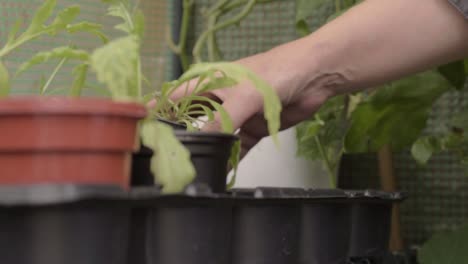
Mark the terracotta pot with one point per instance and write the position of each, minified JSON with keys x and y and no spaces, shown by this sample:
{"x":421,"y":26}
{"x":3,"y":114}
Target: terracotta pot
{"x":64,"y":140}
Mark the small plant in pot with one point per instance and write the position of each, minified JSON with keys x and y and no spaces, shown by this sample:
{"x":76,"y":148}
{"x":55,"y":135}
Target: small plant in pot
{"x":62,"y":139}
{"x":211,"y":153}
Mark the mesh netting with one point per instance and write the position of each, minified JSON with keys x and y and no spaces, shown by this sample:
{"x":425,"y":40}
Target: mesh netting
{"x":156,"y":60}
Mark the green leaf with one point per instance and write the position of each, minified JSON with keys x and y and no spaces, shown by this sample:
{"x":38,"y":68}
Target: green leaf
{"x":14,"y":31}
{"x":60,"y":53}
{"x":64,"y":18}
{"x":4,"y":80}
{"x":139,"y":21}
{"x":446,"y":248}
{"x":234,"y":160}
{"x":171,"y":162}
{"x":238,"y":73}
{"x":305,"y":9}
{"x":395,"y":114}
{"x":115,"y":66}
{"x":423,"y":149}
{"x":80,"y":73}
{"x":226,"y":121}
{"x":455,"y":73}
{"x":120,"y":10}
{"x":41,"y":16}
{"x":91,"y":28}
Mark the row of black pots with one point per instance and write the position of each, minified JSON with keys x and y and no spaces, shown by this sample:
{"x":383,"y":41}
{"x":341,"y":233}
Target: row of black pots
{"x":57,"y":224}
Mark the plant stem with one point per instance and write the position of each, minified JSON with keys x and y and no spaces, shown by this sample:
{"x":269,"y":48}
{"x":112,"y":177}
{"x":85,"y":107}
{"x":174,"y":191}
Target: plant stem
{"x":180,"y":48}
{"x":213,"y":49}
{"x":52,"y":76}
{"x":337,"y":6}
{"x":325,"y":159}
{"x":20,"y":41}
{"x":236,"y":19}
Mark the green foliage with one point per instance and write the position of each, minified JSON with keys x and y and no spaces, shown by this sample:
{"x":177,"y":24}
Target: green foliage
{"x":171,"y":163}
{"x":453,"y":139}
{"x":80,"y":73}
{"x":234,"y":162}
{"x":322,"y":137}
{"x":455,"y":73}
{"x":4,"y":80}
{"x":59,"y":53}
{"x":396,"y":114}
{"x":113,"y":64}
{"x":238,"y":73}
{"x":304,"y":9}
{"x":446,"y":248}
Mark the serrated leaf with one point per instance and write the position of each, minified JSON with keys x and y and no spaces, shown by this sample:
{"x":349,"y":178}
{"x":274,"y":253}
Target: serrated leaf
{"x":43,"y":13}
{"x":455,"y":73}
{"x":446,"y":248}
{"x":120,"y":11}
{"x":67,"y":52}
{"x":64,"y":18}
{"x":91,"y":28}
{"x":80,"y":72}
{"x":226,"y":121}
{"x":171,"y":164}
{"x":238,"y":73}
{"x":14,"y":31}
{"x":115,"y":66}
{"x":4,"y":80}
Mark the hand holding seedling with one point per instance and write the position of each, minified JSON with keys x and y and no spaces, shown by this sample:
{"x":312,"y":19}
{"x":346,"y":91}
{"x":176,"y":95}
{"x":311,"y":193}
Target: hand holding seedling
{"x":371,"y":44}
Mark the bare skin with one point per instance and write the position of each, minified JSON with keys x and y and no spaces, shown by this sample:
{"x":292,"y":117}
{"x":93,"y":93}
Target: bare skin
{"x":373,"y":43}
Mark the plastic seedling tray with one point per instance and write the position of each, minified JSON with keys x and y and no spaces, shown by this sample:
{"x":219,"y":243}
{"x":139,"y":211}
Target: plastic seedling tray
{"x":60,"y":224}
{"x":266,"y":225}
{"x":190,"y":228}
{"x":370,"y":218}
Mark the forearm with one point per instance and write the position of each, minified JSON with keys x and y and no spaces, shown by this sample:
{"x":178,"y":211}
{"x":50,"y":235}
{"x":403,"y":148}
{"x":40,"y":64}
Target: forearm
{"x":379,"y":41}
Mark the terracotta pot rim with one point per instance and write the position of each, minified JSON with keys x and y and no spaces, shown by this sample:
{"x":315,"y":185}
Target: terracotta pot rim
{"x":58,"y":105}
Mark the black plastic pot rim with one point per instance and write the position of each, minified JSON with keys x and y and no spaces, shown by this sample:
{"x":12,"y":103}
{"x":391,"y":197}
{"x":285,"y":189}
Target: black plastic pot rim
{"x":198,"y":136}
{"x":49,"y":194}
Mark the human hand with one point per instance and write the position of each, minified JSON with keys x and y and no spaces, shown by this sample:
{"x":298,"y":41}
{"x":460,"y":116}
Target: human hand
{"x":244,"y":103}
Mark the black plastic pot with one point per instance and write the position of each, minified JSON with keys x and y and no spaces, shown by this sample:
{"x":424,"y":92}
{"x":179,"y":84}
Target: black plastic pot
{"x":371,"y":220}
{"x":63,"y":224}
{"x":325,"y":228}
{"x":210,"y":154}
{"x":266,"y":226}
{"x":190,"y":228}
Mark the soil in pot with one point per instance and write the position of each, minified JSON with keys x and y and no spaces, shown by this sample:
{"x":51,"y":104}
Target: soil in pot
{"x":64,"y":140}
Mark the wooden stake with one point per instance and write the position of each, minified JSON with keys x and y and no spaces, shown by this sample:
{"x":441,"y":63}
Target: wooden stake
{"x":388,"y":182}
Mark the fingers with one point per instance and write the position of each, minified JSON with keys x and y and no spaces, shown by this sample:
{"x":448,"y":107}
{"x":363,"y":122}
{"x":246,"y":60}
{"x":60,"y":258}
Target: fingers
{"x":239,"y":106}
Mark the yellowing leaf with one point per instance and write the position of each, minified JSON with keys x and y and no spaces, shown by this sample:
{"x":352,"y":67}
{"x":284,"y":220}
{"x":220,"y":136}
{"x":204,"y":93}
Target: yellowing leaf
{"x":115,"y":66}
{"x":171,"y":164}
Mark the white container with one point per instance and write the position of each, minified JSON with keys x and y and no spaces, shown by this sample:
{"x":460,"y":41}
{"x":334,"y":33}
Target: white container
{"x":268,"y":165}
